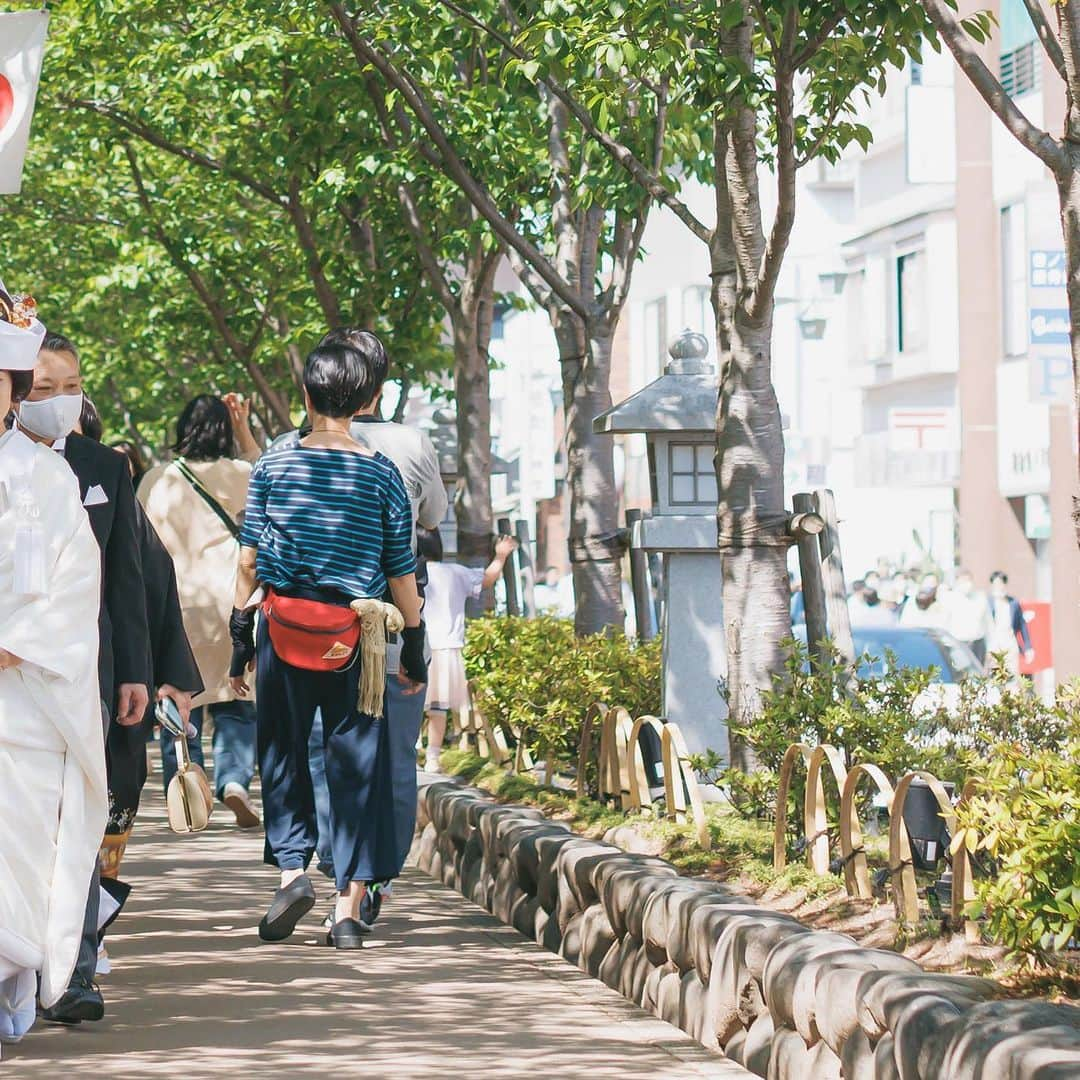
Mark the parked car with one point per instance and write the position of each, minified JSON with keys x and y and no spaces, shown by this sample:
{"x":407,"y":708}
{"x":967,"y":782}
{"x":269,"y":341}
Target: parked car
{"x":912,"y":647}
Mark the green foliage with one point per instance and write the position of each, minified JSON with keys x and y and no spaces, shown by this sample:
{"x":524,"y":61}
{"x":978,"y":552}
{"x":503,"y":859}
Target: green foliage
{"x":535,"y":676}
{"x":1025,"y":814}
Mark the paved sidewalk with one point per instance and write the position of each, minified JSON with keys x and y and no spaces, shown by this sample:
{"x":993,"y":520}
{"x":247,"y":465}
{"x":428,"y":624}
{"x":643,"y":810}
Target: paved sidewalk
{"x":442,"y":990}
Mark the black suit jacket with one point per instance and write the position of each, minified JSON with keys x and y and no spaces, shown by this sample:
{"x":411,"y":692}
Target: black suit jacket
{"x":104,"y":482}
{"x":170,"y":651}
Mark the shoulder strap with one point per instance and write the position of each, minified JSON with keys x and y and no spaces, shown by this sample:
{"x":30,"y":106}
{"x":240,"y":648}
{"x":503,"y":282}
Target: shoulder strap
{"x":207,"y":498}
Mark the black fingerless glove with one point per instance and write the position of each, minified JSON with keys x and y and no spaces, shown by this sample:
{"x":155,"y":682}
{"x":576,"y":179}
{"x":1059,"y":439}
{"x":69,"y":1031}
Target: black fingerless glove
{"x":413,"y":663}
{"x":242,"y":634}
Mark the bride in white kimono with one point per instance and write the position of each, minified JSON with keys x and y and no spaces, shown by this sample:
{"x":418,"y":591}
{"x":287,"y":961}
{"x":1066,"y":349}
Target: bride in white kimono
{"x":53,"y":795}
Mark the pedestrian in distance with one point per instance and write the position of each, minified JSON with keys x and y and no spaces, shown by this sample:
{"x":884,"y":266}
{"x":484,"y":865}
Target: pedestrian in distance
{"x":196,"y":503}
{"x":449,"y":587}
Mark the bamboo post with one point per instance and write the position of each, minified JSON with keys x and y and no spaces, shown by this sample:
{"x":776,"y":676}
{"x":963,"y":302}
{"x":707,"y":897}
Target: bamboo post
{"x":528,"y":573}
{"x":791,"y":756}
{"x":813,"y":586}
{"x":640,"y":797}
{"x":815,"y":818}
{"x":639,"y":582}
{"x":679,"y":780}
{"x":832,"y":570}
{"x":856,"y":872}
{"x":510,"y":578}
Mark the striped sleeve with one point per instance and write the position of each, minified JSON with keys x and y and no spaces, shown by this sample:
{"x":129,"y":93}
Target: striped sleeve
{"x":397,"y":555}
{"x":255,"y":512}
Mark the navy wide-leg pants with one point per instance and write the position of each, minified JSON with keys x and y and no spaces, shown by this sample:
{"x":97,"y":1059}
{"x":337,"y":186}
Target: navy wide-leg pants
{"x":358,"y":770}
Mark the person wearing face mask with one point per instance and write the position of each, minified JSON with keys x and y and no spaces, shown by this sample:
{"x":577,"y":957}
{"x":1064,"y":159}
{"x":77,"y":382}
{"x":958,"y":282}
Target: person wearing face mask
{"x":1008,"y":628}
{"x":48,"y":416}
{"x":52,"y":768}
{"x":968,"y":615}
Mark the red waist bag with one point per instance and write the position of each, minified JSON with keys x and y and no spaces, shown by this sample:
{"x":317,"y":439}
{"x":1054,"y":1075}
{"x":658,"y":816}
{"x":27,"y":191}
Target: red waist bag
{"x":311,"y":635}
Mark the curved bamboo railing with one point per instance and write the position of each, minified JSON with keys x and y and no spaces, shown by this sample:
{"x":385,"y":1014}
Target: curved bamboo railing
{"x":621,"y":767}
{"x":856,"y":872}
{"x":852,"y":852}
{"x":640,"y":796}
{"x":815,"y":817}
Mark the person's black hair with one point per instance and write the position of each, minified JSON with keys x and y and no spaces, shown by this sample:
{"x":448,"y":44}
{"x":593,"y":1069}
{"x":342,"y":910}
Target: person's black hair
{"x":55,"y":342}
{"x":429,"y":544}
{"x":342,"y":379}
{"x":204,"y":431}
{"x":90,"y":420}
{"x":136,"y":464}
{"x":871,"y":597}
{"x":22,"y":382}
{"x":365,"y":342}
{"x":999,"y":575}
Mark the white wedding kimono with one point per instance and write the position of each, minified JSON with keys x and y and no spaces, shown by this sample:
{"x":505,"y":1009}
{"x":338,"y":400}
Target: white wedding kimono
{"x":53,"y":795}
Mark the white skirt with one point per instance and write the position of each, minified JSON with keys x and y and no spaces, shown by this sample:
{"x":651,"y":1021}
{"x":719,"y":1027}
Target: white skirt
{"x":448,"y":689}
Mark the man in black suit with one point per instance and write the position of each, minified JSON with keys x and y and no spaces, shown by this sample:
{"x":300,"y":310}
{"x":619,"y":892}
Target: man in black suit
{"x":50,"y":414}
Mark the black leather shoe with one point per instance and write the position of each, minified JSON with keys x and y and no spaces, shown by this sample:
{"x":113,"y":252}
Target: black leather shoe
{"x":82,"y":1001}
{"x":287,"y":908}
{"x":346,"y":934}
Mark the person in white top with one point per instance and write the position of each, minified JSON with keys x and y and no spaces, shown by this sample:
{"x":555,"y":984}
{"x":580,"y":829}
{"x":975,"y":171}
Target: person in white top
{"x":448,"y":588}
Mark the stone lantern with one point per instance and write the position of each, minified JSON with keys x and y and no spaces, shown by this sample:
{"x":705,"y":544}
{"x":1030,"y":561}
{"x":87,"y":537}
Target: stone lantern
{"x":677,"y":415}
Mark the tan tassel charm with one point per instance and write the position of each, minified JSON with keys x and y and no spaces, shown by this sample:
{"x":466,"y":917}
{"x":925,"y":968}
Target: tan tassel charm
{"x":377,"y":620}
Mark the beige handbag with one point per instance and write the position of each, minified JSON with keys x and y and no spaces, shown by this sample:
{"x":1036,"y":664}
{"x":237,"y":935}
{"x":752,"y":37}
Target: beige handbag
{"x":189,"y":800}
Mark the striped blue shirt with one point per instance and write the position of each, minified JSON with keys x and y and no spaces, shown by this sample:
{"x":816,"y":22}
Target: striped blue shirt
{"x":331,"y":519}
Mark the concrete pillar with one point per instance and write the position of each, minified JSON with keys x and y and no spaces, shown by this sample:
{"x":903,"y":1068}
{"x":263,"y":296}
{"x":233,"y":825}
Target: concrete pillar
{"x":991,"y":534}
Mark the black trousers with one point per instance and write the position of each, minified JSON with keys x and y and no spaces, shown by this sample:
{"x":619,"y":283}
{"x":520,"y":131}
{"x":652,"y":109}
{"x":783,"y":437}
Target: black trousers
{"x":358,"y":770}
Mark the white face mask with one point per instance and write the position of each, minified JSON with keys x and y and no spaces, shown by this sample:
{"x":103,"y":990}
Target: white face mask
{"x":54,"y":418}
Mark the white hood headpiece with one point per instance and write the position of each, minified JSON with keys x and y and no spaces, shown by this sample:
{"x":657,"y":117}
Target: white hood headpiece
{"x":18,"y":345}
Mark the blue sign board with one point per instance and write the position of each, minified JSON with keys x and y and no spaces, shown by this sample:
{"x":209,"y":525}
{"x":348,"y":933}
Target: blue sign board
{"x":1048,"y":269}
{"x":1049,"y":326}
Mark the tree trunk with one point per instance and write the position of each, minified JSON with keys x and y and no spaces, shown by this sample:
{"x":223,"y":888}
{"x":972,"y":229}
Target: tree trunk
{"x":595,"y":547}
{"x":752,"y":522}
{"x":1068,"y":187}
{"x":472,"y":501}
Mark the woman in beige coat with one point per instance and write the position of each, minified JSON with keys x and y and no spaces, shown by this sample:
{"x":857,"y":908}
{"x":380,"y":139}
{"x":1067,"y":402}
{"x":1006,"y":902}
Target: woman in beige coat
{"x":196,"y":503}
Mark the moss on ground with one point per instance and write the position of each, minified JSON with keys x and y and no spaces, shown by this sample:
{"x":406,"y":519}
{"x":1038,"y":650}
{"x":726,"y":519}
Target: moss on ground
{"x":741,"y":848}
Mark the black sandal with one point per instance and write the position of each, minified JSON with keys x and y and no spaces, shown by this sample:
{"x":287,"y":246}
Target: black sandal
{"x":288,"y":907}
{"x":346,"y":934}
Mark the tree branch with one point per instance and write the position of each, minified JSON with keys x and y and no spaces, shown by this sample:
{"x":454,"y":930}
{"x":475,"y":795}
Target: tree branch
{"x":617,"y":151}
{"x":206,"y":296}
{"x":786,"y":168}
{"x":367,"y":54}
{"x":1046,"y":36}
{"x":1040,"y":143}
{"x":154,"y":138}
{"x":305,"y":235}
{"x":1068,"y":16}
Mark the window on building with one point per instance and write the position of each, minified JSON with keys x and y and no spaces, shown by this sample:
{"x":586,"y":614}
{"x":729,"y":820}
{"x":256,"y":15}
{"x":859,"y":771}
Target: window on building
{"x":915,"y":72}
{"x":697,"y":310}
{"x":911,"y":302}
{"x":693,"y":474}
{"x":1014,"y":279}
{"x":655,"y":337}
{"x":1020,"y":58}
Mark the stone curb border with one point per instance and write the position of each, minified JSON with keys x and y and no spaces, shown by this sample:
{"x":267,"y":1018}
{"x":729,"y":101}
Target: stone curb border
{"x":785,"y":1002}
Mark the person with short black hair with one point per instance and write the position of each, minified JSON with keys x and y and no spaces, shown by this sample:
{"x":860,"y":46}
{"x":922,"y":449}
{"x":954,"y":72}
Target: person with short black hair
{"x":328,"y":524}
{"x":412,"y":451}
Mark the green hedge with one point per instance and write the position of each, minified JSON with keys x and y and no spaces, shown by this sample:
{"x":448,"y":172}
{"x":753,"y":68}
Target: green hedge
{"x":536,"y":675}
